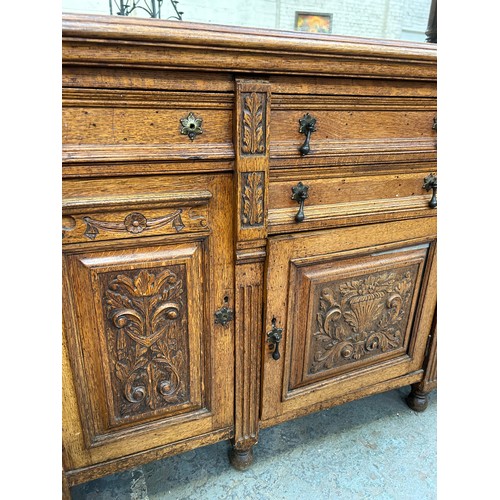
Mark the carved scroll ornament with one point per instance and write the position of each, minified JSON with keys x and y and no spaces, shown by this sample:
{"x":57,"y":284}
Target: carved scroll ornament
{"x":360,"y":318}
{"x":146,"y":340}
{"x":133,"y":223}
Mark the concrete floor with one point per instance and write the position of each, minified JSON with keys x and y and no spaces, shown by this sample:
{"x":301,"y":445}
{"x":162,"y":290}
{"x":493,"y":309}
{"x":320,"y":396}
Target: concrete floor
{"x":374,"y":448}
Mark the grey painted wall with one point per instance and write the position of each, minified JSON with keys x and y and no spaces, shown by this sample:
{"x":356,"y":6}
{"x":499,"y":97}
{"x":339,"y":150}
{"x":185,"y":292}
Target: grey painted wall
{"x":392,"y":19}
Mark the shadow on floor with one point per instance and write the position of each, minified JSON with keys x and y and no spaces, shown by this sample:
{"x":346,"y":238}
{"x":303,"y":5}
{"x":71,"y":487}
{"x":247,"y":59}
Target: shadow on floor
{"x":373,"y":448}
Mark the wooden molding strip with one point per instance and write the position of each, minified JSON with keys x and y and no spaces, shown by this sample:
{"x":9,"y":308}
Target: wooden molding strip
{"x":394,"y":383}
{"x":95,"y":471}
{"x":333,"y":147}
{"x":281,"y":216}
{"x":146,"y":99}
{"x":110,"y":153}
{"x":126,"y":202}
{"x":352,"y":102}
{"x":147,"y":43}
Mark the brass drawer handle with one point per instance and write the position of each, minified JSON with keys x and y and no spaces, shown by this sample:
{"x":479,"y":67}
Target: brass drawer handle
{"x":191,"y":126}
{"x":300,"y":194}
{"x":430,"y":182}
{"x":307,"y":127}
{"x":274,"y":338}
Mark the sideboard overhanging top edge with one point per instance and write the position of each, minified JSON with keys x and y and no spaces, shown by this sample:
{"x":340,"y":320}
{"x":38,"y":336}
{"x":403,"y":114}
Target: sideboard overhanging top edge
{"x":146,"y":43}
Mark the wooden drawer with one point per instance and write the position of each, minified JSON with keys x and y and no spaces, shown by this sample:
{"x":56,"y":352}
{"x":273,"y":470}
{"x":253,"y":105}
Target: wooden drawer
{"x":107,"y":130}
{"x":127,"y":208}
{"x":355,"y":121}
{"x":340,"y":200}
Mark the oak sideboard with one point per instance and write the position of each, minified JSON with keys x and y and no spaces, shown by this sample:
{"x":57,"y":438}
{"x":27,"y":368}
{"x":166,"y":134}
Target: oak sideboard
{"x":249,"y":233}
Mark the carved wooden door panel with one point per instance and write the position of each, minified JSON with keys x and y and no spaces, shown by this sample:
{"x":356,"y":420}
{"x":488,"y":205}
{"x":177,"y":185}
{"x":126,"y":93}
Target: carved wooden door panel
{"x":355,"y":307}
{"x":149,"y":365}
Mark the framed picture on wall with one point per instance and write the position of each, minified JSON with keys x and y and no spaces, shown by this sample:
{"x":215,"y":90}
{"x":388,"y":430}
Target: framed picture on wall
{"x":313,"y":22}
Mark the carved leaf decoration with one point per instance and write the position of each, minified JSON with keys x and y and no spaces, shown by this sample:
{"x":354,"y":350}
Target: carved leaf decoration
{"x":322,"y":333}
{"x":122,"y":369}
{"x":143,"y":309}
{"x":134,"y":223}
{"x":253,"y":200}
{"x":360,"y":317}
{"x":341,"y":333}
{"x":253,"y":140}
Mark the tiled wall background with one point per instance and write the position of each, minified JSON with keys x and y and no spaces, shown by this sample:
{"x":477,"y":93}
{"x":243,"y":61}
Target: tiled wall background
{"x":390,"y":19}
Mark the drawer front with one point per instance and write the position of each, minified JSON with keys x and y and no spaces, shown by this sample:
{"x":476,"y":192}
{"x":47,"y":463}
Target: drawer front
{"x":354,"y":119}
{"x":351,"y":121}
{"x":355,"y":306}
{"x":100,"y":219}
{"x":103,"y":127}
{"x":341,"y":200}
{"x":134,"y":208}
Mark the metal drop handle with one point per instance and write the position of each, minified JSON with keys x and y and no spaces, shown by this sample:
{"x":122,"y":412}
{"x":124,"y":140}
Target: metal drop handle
{"x":300,"y":193}
{"x":274,"y":338}
{"x":307,"y":126}
{"x":430,"y":182}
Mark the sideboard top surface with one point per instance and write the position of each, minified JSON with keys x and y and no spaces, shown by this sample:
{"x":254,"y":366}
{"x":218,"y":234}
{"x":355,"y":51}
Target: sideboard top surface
{"x":157,"y":44}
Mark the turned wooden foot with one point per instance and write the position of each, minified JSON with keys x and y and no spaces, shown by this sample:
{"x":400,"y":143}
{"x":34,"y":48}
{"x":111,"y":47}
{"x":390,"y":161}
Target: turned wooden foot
{"x":241,"y":459}
{"x":417,"y":400}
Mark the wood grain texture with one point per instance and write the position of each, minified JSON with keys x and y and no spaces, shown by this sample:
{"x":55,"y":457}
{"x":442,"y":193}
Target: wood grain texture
{"x":251,"y":131}
{"x":92,"y":442}
{"x":429,"y":382}
{"x":128,"y":461}
{"x":343,"y":190}
{"x":332,"y":251}
{"x":325,"y":403}
{"x":160,"y":231}
{"x":163,"y":44}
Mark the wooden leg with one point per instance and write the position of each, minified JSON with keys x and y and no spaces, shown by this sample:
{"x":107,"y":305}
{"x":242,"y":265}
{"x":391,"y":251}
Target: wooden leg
{"x":241,"y":459}
{"x":417,"y":400}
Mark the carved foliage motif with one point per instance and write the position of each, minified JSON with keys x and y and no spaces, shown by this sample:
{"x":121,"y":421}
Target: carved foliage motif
{"x":252,"y":210}
{"x":360,"y":318}
{"x":133,"y":223}
{"x":253,"y":140}
{"x":146,"y":337}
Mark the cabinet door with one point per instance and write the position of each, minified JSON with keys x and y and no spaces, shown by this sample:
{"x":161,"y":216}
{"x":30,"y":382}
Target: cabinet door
{"x":355,"y":306}
{"x":150,"y":367}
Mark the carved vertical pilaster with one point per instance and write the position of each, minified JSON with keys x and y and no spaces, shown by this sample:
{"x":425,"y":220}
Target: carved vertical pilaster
{"x":251,"y":140}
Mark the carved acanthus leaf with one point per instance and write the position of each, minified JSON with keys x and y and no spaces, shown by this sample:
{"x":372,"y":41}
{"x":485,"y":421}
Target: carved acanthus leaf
{"x":253,"y":137}
{"x":253,"y":199}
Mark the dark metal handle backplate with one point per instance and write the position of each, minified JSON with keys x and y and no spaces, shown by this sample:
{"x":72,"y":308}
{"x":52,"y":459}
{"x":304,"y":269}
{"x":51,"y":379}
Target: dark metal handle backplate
{"x":224,"y":315}
{"x":307,"y":126}
{"x":430,"y":182}
{"x":274,"y":338}
{"x":300,"y":193}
